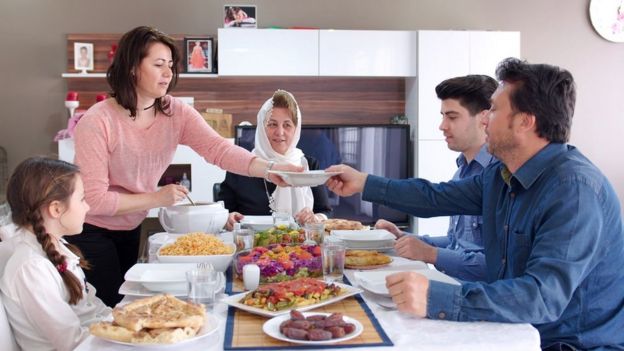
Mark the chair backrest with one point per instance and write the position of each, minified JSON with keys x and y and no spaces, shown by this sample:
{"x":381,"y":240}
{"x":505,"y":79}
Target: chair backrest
{"x":216,"y":189}
{"x":7,"y":340}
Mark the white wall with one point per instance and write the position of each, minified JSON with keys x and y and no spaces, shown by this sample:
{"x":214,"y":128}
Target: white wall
{"x":553,"y":31}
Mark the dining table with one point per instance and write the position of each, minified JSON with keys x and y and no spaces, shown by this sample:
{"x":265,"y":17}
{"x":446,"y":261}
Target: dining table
{"x":405,"y":332}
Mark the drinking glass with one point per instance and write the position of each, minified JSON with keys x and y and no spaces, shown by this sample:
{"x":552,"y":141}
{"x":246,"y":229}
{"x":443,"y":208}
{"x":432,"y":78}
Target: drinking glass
{"x":244,"y":239}
{"x":202,"y":285}
{"x":281,"y":218}
{"x":314,"y":233}
{"x":333,"y":256}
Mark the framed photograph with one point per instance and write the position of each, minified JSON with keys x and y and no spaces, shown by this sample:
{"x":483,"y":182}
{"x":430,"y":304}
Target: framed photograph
{"x":199,"y":54}
{"x":83,"y":56}
{"x":240,"y":16}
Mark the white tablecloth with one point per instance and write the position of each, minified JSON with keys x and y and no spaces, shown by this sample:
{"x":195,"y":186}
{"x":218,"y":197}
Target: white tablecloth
{"x":405,"y":332}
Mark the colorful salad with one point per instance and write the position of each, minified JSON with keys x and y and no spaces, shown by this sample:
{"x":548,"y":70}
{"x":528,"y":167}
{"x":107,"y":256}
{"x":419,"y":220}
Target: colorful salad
{"x":279,"y":262}
{"x":281,"y":234}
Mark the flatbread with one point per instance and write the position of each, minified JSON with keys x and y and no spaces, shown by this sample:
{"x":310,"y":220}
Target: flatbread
{"x":160,"y":311}
{"x":160,"y":319}
{"x":342,"y":224}
{"x":365,"y":259}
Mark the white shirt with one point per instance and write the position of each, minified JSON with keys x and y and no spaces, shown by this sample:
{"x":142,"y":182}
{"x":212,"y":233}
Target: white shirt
{"x":37,"y":301}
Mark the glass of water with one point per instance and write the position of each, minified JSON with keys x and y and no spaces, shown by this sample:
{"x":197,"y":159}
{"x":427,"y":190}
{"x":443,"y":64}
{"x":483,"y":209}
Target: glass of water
{"x":244,"y":239}
{"x":281,"y":218}
{"x":314,"y":233}
{"x":333,"y":256}
{"x":202,"y":286}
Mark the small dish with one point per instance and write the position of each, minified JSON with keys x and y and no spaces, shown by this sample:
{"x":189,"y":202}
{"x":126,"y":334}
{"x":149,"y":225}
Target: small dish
{"x":159,"y":277}
{"x":308,"y":178}
{"x":272,"y":329}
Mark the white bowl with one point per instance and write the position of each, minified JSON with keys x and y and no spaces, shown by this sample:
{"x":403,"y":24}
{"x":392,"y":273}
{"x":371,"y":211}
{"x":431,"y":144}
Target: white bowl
{"x":258,"y":223}
{"x":219,"y":262}
{"x":203,"y":217}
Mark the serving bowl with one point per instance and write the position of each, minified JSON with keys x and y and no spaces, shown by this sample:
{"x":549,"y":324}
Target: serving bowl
{"x":219,"y":262}
{"x":208,"y":217}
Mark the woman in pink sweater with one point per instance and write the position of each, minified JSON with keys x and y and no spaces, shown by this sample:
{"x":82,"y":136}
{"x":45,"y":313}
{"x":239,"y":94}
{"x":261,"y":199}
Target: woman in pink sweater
{"x":123,"y":146}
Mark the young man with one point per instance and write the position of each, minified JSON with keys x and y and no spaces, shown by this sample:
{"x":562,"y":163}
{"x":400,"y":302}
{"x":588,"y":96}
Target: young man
{"x":465,"y":104}
{"x":552,"y":226}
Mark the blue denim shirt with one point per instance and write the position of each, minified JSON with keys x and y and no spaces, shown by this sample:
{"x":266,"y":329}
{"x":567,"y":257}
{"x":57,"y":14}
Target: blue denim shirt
{"x":554,"y":246}
{"x":460,"y":252}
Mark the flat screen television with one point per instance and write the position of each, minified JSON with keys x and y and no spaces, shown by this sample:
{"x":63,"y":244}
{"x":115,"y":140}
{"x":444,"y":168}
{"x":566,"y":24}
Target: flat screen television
{"x":382,"y":150}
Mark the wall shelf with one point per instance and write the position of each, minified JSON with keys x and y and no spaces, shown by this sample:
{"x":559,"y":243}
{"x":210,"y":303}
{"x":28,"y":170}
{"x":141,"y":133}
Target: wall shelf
{"x":103,"y":75}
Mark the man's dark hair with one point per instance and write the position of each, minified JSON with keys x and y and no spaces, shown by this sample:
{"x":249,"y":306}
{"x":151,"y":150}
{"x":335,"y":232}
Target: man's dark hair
{"x":545,"y":91}
{"x":133,"y":48}
{"x":473,"y":91}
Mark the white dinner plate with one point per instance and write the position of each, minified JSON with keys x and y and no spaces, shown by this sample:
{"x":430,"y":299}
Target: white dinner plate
{"x":375,"y":281}
{"x":271,"y":328}
{"x":160,"y":277}
{"x":363,"y":235}
{"x":308,"y":178}
{"x":234,"y":301}
{"x":137,"y":289}
{"x":210,"y":326}
{"x":258,"y":223}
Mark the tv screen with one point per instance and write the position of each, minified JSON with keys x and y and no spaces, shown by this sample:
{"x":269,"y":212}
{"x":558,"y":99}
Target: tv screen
{"x":382,"y":150}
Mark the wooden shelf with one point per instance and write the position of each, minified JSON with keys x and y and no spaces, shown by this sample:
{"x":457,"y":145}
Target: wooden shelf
{"x":103,"y":75}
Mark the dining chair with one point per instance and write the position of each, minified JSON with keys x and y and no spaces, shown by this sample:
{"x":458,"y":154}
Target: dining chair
{"x":7,"y":340}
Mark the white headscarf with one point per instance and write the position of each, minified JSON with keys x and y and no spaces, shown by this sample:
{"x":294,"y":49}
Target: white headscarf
{"x":290,"y":199}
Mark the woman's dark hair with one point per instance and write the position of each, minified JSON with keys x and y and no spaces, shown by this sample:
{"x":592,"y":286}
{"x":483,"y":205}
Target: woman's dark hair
{"x":545,"y":91}
{"x":473,"y":91}
{"x":35,"y":184}
{"x":132,"y":49}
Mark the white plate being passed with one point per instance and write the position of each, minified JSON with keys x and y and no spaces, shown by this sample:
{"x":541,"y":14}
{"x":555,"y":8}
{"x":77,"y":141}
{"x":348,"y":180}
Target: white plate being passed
{"x":234,"y":301}
{"x":375,"y":281}
{"x":308,"y":178}
{"x":272,"y":326}
{"x":258,"y":223}
{"x":380,"y":239}
{"x":210,"y":326}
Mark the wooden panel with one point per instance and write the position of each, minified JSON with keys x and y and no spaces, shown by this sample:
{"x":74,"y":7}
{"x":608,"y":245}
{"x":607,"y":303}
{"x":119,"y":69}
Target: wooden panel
{"x":322,"y":100}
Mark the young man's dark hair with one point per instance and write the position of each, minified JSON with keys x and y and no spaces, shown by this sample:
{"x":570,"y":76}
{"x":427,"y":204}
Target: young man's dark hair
{"x":473,"y":91}
{"x":546,"y":91}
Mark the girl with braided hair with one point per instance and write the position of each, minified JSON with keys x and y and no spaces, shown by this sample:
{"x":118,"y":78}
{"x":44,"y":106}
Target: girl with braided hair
{"x":47,"y":299}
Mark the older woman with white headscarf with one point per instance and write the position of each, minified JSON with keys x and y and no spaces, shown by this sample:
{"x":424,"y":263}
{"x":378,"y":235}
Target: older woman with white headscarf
{"x":277,"y":135}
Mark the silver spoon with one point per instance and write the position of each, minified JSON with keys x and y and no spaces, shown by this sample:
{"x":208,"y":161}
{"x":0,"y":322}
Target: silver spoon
{"x":189,"y":198}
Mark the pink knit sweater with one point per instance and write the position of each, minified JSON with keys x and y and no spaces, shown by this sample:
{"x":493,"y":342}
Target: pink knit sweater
{"x":115,"y":156}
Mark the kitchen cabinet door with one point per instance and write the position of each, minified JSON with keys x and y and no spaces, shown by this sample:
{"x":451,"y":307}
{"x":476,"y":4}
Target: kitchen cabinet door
{"x":487,"y":49}
{"x":268,"y":52}
{"x":367,"y":53}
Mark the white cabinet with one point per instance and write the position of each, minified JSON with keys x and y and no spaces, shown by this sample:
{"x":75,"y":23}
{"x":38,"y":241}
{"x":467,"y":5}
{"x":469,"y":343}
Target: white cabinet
{"x":443,"y":55}
{"x":366,"y":53}
{"x":268,"y":52}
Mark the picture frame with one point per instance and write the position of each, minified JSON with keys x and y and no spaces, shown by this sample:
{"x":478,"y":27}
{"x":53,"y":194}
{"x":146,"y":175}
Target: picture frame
{"x":240,"y":16}
{"x":199,"y":56}
{"x":83,"y":57}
